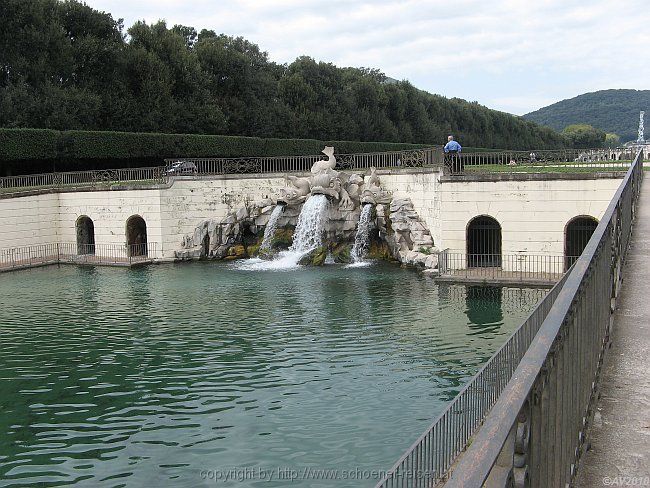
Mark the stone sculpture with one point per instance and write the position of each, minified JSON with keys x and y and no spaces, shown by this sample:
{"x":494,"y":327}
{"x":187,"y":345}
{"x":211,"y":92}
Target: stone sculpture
{"x":373,"y":192}
{"x":395,"y":223}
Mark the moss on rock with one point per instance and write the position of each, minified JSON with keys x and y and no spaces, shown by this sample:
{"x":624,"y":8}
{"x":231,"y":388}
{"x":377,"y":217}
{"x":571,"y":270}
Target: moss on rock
{"x":282,"y":239}
{"x":341,"y":253}
{"x":379,"y":250}
{"x":316,"y":257}
{"x":237,"y":251}
{"x":253,"y":250}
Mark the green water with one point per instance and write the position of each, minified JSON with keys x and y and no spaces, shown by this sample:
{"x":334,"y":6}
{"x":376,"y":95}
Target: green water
{"x":175,"y":375}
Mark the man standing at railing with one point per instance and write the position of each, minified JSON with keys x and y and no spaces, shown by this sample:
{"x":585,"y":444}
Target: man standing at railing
{"x":452,"y":156}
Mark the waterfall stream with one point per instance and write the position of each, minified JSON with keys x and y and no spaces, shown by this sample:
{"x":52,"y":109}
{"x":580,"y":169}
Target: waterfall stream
{"x":362,"y":238}
{"x":271,"y":226}
{"x":307,"y":237}
{"x":309,"y":230}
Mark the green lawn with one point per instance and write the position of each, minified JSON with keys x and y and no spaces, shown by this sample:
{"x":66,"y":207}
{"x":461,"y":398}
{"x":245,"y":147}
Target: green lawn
{"x":558,"y":167}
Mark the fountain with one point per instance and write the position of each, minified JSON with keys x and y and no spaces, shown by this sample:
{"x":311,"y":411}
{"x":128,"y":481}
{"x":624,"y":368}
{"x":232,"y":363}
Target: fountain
{"x":309,"y":230}
{"x":306,"y":238}
{"x":326,"y":216}
{"x":271,"y":227}
{"x":362,"y":238}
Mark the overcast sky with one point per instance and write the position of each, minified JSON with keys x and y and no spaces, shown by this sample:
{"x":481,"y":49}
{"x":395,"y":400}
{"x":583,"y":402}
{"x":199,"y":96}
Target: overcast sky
{"x":511,"y":55}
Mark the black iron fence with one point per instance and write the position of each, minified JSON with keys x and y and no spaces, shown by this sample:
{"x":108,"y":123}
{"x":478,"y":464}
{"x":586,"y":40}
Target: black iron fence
{"x":522,"y":267}
{"x":99,"y":179}
{"x":539,"y":386}
{"x":72,"y":253}
{"x":491,"y":161}
{"x":574,"y":160}
{"x":415,"y":158}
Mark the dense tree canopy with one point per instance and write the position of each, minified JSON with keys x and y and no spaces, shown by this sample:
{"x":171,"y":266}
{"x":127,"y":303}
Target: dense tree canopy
{"x":64,"y":65}
{"x":583,"y":136}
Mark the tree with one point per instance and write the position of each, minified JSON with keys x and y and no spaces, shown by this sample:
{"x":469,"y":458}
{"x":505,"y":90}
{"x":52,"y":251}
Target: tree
{"x":584,"y":136}
{"x":64,"y":65}
{"x":612,"y":140}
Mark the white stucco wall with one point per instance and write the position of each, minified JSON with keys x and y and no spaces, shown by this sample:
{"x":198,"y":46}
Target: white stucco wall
{"x":109,"y":211}
{"x":29,"y":220}
{"x":532,"y":213}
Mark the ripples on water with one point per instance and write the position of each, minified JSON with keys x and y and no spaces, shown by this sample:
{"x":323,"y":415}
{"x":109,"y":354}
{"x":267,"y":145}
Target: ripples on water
{"x":113,"y":377}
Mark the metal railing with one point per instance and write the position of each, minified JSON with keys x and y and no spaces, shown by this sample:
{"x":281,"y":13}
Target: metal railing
{"x":492,"y":161}
{"x":515,"y":267}
{"x":103,"y":179}
{"x":98,"y":179}
{"x":72,"y":253}
{"x":413,"y":158}
{"x":539,"y":386}
{"x":432,"y":454}
{"x":575,"y":160}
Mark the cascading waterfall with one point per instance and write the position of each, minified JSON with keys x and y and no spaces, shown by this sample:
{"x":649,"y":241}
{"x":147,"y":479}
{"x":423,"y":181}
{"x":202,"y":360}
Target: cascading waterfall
{"x":309,"y":229}
{"x":362,"y":238}
{"x":271,"y":226}
{"x":307,"y":237}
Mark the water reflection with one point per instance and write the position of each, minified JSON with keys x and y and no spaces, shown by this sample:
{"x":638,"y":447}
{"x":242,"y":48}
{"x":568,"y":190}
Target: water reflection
{"x":157,"y":373}
{"x":484,"y":310}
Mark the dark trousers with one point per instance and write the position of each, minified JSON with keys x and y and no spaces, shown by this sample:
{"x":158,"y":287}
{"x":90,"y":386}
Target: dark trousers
{"x":454,"y":162}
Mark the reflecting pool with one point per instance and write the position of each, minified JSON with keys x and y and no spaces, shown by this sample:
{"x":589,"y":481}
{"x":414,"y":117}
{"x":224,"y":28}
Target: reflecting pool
{"x":204,"y":374}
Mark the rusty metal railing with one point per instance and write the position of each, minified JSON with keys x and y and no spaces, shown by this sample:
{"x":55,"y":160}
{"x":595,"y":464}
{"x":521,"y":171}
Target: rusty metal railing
{"x":73,"y":253}
{"x":539,"y":386}
{"x":535,"y":433}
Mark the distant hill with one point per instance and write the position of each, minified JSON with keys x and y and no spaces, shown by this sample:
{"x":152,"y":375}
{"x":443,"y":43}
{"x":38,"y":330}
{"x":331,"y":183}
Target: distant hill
{"x":614,"y":111}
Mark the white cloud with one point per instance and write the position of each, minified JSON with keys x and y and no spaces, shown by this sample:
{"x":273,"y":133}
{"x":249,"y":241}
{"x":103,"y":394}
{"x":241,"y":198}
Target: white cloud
{"x":511,"y":55}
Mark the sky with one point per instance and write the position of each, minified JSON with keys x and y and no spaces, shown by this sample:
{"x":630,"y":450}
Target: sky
{"x":510,"y":55}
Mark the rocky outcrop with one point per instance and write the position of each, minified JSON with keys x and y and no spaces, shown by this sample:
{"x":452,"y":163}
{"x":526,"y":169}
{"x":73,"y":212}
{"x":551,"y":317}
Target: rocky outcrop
{"x":238,"y":230}
{"x":407,"y":235}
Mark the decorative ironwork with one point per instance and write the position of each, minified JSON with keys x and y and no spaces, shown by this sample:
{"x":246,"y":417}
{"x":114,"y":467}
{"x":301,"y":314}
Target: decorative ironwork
{"x":417,"y":158}
{"x":345,"y":161}
{"x":106,"y":176}
{"x":413,"y":159}
{"x":285,"y":164}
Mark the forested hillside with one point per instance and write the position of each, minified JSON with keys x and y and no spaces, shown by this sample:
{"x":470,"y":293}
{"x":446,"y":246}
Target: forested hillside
{"x":65,"y":66}
{"x":614,"y":111}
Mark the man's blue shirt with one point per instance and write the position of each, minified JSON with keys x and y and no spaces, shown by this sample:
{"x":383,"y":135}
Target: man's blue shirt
{"x":452,"y":146}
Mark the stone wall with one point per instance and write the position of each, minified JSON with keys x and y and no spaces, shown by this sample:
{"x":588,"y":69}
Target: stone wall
{"x":29,"y":220}
{"x":188,"y":202}
{"x":109,"y":211}
{"x":532,"y":212}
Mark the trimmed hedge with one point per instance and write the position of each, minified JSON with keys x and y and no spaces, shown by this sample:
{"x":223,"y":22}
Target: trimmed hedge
{"x":19,"y":144}
{"x":44,"y":144}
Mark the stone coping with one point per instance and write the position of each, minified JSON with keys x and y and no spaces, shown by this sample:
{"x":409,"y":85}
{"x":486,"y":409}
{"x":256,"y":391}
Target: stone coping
{"x":484,"y":177}
{"x":468,"y":178}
